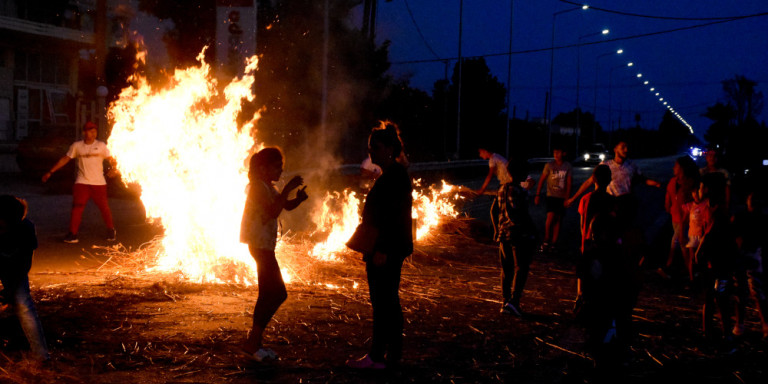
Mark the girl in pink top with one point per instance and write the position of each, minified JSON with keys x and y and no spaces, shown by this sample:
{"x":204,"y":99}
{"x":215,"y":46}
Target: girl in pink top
{"x":699,"y":217}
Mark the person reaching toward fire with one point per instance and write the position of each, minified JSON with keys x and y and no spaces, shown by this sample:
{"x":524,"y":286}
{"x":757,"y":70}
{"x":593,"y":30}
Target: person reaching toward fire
{"x":515,"y":232}
{"x":497,"y":165}
{"x":258,"y":229}
{"x":385,"y":239}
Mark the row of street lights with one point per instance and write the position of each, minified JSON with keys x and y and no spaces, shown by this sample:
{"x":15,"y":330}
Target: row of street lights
{"x":656,"y":93}
{"x":665,"y":103}
{"x":603,"y":32}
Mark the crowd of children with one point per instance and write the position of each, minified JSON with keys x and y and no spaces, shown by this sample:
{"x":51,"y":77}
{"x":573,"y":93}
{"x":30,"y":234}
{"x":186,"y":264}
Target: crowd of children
{"x":720,"y":247}
{"x":720,"y":250}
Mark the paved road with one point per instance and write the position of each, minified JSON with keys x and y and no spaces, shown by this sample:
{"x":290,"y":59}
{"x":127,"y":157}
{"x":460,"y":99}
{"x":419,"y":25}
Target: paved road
{"x":49,"y":209}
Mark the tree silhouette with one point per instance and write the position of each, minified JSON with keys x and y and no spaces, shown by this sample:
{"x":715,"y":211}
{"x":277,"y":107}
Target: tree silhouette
{"x":482,"y":104}
{"x":734,"y":126}
{"x":723,"y":117}
{"x":567,"y":120}
{"x":740,"y":93}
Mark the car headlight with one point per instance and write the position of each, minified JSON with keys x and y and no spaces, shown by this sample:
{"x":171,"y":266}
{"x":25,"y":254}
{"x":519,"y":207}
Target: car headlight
{"x":602,"y":157}
{"x":586,"y":156}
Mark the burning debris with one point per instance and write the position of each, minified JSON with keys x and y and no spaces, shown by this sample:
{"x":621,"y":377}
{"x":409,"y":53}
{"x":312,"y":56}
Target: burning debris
{"x":182,"y":145}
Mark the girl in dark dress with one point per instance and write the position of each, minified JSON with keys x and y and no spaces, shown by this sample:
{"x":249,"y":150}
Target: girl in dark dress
{"x":387,"y":211}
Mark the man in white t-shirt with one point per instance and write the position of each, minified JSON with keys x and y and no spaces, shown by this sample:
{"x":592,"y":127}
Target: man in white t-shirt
{"x":497,"y":165}
{"x":89,"y":154}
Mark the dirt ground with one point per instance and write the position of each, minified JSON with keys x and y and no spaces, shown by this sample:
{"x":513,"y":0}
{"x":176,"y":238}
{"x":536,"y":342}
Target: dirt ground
{"x":105,"y":327}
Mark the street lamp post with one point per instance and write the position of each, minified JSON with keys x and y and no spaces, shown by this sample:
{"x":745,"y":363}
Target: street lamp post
{"x":551,"y":72}
{"x":610,"y":93}
{"x":458,"y":101}
{"x":578,"y":82}
{"x":594,"y":104}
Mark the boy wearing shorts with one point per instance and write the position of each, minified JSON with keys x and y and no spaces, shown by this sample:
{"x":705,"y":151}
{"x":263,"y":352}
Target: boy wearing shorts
{"x":558,"y":176}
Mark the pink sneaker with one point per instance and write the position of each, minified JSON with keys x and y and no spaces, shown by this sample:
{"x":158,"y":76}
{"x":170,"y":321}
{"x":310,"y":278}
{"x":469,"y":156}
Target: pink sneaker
{"x":365,"y":363}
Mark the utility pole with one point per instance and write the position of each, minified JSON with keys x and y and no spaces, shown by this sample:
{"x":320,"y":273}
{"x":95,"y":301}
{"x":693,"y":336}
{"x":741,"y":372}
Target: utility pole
{"x":100,"y":39}
{"x":324,"y":103}
{"x":369,"y":18}
{"x":458,"y":105}
{"x":445,"y":110}
{"x":509,"y":72}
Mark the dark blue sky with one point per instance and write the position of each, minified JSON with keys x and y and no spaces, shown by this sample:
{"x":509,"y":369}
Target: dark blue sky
{"x":686,"y":66}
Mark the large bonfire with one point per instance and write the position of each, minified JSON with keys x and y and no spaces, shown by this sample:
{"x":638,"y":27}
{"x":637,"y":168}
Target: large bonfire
{"x":182,"y":145}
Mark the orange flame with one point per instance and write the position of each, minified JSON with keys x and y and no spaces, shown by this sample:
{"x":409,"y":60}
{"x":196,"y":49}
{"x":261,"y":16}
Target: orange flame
{"x":182,"y":145}
{"x":340,"y":213}
{"x":432,"y":205}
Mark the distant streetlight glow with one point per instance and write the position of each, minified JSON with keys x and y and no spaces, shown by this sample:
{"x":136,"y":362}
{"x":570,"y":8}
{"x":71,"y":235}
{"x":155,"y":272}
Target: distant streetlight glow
{"x":653,"y":89}
{"x":639,"y":75}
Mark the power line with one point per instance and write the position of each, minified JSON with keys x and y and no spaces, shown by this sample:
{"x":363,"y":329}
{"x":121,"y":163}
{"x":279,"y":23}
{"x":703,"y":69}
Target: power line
{"x":588,"y":43}
{"x":652,"y":16}
{"x":415,"y":24}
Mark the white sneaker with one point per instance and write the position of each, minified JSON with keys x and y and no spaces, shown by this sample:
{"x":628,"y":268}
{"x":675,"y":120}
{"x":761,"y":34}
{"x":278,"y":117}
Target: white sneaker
{"x":511,"y":309}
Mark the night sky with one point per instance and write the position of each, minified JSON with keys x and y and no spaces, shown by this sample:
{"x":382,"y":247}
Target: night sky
{"x":686,"y":66}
